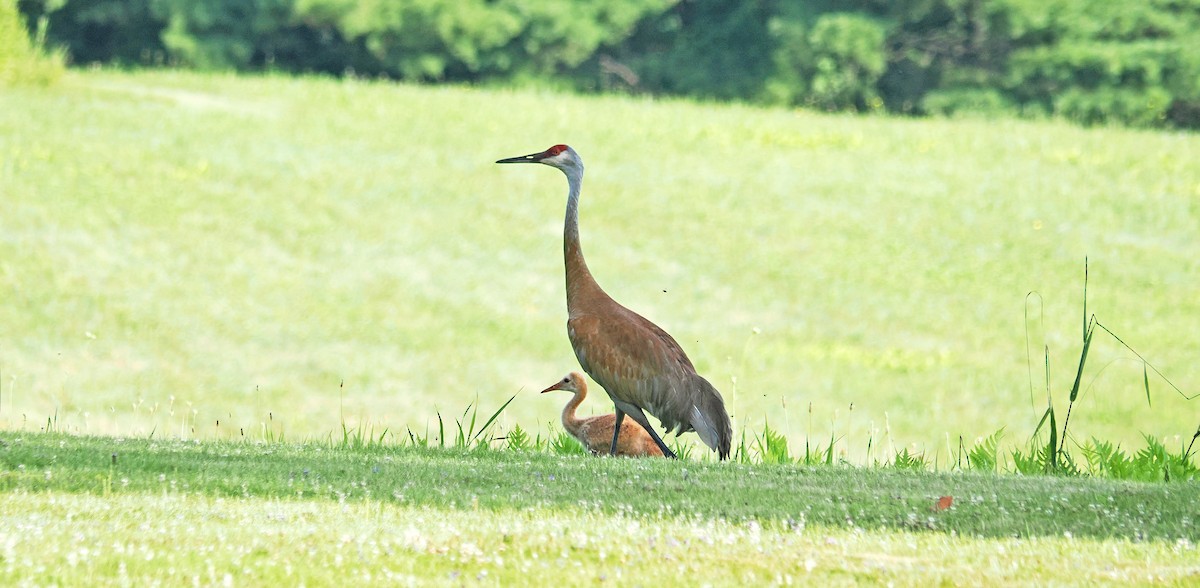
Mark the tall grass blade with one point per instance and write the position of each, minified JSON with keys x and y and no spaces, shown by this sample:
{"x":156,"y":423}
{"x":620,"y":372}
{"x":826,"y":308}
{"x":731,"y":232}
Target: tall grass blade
{"x":1087,"y":343}
{"x":491,"y":419}
{"x":1051,"y":449}
{"x":1146,"y":382}
{"x":1047,"y":350}
{"x":460,"y":439}
{"x":441,"y":431}
{"x":1085,"y":314}
{"x":474,"y":413}
{"x":1045,"y":416}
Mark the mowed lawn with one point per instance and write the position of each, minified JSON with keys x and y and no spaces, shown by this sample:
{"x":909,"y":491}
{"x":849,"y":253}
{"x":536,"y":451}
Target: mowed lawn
{"x":108,"y":511}
{"x":215,"y":256}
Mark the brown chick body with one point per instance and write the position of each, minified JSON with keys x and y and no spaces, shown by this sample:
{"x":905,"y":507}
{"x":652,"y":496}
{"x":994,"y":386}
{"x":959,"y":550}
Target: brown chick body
{"x":596,"y":433}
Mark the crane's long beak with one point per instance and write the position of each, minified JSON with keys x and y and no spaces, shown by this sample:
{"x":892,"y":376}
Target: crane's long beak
{"x":531,"y":158}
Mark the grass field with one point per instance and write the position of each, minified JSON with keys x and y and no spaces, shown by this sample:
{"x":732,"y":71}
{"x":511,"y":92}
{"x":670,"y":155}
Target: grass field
{"x":215,"y":257}
{"x":110,"y":511}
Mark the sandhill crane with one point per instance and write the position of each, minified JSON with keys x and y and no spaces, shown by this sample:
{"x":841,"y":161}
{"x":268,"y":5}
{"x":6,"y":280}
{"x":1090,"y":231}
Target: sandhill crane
{"x":596,"y":432}
{"x":637,"y":363}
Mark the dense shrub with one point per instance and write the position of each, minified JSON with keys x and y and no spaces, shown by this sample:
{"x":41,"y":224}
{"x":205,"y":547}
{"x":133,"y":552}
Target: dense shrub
{"x":848,"y":57}
{"x":1094,"y":82}
{"x":101,"y":31}
{"x":472,"y":40}
{"x":703,"y":48}
{"x":21,"y":60}
{"x":223,"y":33}
{"x":1100,"y":61}
{"x":1094,"y":61}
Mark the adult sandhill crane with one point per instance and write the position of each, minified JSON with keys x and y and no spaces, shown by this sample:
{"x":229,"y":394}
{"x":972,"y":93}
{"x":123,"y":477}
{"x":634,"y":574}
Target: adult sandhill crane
{"x":637,"y":363}
{"x":596,"y":432}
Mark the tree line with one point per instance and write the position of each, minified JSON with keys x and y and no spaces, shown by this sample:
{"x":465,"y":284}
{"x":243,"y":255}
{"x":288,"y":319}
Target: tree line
{"x":1092,"y":61}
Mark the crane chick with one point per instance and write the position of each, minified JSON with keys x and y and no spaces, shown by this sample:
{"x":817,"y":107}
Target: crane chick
{"x":596,"y":433}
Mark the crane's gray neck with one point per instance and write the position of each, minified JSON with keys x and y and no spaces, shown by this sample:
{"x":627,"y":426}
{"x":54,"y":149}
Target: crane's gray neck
{"x":571,"y":226}
{"x":580,"y":283}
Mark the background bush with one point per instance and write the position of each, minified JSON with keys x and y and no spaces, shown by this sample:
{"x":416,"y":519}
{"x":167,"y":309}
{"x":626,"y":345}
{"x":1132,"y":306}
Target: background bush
{"x":1092,"y":61}
{"x":21,"y":60}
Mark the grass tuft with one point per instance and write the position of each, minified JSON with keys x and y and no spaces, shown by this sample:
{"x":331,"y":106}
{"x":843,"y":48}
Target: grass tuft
{"x":772,"y":446}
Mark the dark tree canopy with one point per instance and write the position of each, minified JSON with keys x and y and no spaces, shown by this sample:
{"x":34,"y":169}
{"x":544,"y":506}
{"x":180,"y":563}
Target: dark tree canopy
{"x":1092,"y":61}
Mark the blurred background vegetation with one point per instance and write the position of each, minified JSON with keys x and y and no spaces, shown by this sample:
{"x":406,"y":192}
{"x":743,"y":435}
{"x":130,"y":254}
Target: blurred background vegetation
{"x":22,"y":59}
{"x":1091,"y":61}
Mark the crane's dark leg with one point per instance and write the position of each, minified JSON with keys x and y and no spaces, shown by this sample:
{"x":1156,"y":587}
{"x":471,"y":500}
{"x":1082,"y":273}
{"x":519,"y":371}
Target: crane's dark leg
{"x":612,"y":450}
{"x":639,"y":416}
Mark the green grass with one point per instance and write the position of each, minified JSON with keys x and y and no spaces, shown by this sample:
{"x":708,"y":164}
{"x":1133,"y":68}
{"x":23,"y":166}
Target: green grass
{"x":985,"y":505}
{"x":76,"y":539}
{"x":216,"y":257}
{"x":320,"y":514}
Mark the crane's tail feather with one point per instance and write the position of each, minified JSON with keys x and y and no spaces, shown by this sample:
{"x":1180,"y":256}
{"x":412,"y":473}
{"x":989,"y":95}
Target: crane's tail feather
{"x":709,"y":418}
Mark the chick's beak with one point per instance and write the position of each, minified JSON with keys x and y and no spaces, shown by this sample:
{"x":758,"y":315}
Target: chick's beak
{"x":557,"y":386}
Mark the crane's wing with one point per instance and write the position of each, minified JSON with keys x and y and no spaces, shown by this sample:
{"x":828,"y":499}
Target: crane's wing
{"x":636,"y":362}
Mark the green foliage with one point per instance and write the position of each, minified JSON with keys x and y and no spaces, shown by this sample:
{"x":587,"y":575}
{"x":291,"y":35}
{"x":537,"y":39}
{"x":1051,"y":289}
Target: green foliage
{"x":906,"y":460}
{"x":772,"y":446}
{"x":1104,"y":61}
{"x":563,"y":443}
{"x":466,"y":435}
{"x":969,"y":101}
{"x":1053,"y":456}
{"x":703,"y":48}
{"x":1091,"y":61}
{"x":23,"y":61}
{"x":1103,"y":458}
{"x":1155,"y":460}
{"x":477,"y":40}
{"x":814,"y":455}
{"x":468,"y":432}
{"x":517,"y":439}
{"x":984,"y":455}
{"x":119,"y":32}
{"x":682,"y":449}
{"x":848,"y":59}
{"x":1041,"y":458}
{"x":218,"y":34}
{"x":1154,"y":463}
{"x":1097,"y":82}
{"x":355,"y":438}
{"x":832,"y":62}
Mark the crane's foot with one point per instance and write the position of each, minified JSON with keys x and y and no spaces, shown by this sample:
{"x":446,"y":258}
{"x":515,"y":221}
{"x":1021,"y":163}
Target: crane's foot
{"x":661,"y":445}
